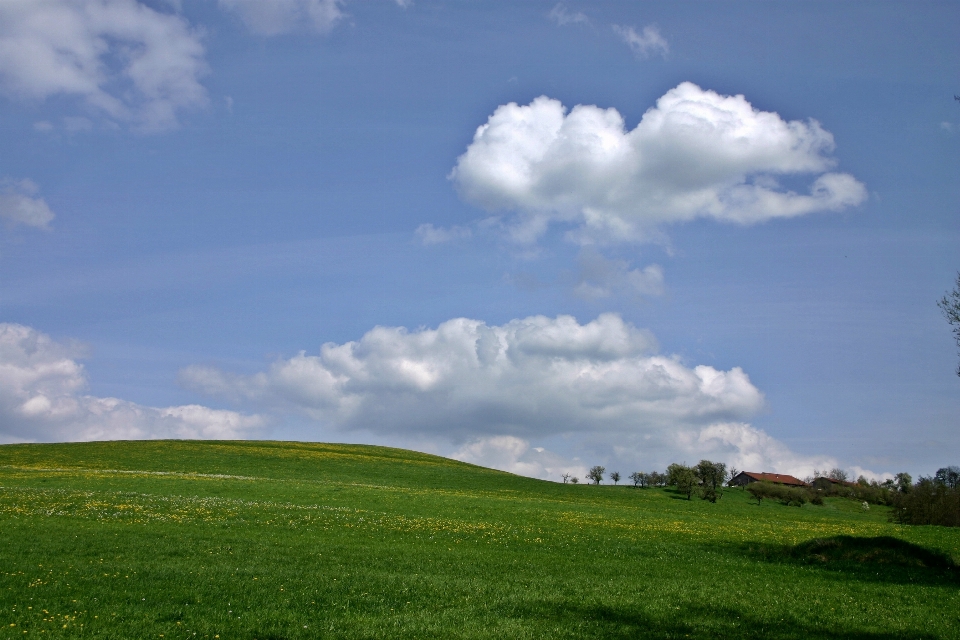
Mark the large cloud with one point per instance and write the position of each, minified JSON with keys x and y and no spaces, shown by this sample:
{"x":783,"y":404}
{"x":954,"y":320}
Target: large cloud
{"x":41,"y":399}
{"x":695,"y":154}
{"x":124,"y":59}
{"x":530,"y":377}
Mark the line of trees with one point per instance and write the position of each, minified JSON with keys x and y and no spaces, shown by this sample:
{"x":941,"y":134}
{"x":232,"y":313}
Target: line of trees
{"x":932,"y":500}
{"x":706,"y":479}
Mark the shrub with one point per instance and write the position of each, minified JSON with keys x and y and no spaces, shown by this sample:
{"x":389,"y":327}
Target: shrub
{"x":790,"y":496}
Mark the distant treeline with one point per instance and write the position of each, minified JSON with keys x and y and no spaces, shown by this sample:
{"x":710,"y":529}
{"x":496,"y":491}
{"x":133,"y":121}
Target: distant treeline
{"x":931,"y":500}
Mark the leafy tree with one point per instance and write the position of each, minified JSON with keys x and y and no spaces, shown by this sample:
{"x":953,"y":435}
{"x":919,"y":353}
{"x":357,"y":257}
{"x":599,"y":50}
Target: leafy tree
{"x":615,"y":476}
{"x":574,"y":480}
{"x":596,"y":474}
{"x":837,"y":474}
{"x":948,"y":476}
{"x":639,"y":478}
{"x":950,"y":307}
{"x":683,"y":478}
{"x":758,"y":490}
{"x":903,"y":482}
{"x":710,"y":476}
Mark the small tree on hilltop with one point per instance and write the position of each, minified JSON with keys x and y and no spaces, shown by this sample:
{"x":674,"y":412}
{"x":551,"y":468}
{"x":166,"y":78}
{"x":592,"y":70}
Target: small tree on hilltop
{"x":596,"y":474}
{"x":683,"y":478}
{"x":711,"y":476}
{"x":615,"y":476}
{"x":566,"y":477}
{"x":638,"y":478}
{"x":574,"y":480}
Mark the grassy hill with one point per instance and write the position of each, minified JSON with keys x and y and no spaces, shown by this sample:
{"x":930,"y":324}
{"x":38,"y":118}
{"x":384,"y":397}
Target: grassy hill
{"x":269,"y":540}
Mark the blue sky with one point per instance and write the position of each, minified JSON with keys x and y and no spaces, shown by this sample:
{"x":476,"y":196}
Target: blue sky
{"x":686,"y":229}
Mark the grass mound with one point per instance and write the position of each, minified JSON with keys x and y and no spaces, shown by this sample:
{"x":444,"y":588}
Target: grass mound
{"x":879,"y":550}
{"x":302,"y":540}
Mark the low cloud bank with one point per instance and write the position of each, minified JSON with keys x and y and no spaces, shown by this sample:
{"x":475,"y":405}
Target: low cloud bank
{"x":41,"y":399}
{"x":534,"y":376}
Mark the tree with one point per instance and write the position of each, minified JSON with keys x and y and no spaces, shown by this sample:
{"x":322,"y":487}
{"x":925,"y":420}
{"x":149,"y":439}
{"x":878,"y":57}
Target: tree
{"x":615,"y":476}
{"x":903,"y":482}
{"x":596,"y":474}
{"x":711,"y":476}
{"x":574,"y":480}
{"x":566,"y":477}
{"x":639,"y":478}
{"x":950,"y":307}
{"x":837,"y":474}
{"x":948,"y":476}
{"x":683,"y":478}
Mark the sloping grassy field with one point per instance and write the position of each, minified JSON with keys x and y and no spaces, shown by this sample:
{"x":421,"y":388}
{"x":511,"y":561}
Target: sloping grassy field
{"x":269,"y":540}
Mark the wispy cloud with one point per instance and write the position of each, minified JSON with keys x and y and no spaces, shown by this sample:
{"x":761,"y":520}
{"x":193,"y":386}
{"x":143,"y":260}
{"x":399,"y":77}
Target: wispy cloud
{"x":562,"y":17}
{"x":124,"y":60}
{"x":644,"y":44}
{"x":19,"y":204}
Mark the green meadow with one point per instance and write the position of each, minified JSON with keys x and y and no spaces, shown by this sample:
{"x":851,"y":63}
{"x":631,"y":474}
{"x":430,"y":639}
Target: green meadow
{"x":270,"y":540}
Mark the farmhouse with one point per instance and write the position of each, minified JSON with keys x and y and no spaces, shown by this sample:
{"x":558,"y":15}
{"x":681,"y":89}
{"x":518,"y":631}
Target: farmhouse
{"x":746,"y":477}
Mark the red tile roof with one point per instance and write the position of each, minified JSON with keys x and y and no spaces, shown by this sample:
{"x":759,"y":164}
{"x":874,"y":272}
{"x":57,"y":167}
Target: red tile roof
{"x":779,"y":478}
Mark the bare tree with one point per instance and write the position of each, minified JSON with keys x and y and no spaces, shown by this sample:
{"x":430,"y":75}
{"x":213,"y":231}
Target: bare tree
{"x":566,"y":477}
{"x":596,"y":474}
{"x":950,"y":307}
{"x":615,"y":476}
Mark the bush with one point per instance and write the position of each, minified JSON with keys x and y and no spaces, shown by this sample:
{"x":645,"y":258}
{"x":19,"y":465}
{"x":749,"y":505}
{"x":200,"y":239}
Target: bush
{"x":790,"y":496}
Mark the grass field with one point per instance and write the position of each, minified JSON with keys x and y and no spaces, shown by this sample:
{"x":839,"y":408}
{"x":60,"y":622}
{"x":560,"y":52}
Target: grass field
{"x":269,"y":540}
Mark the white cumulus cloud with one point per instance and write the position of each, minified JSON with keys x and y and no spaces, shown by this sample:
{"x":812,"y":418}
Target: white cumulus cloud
{"x":19,"y":204}
{"x":696,"y":154}
{"x":643,"y":44}
{"x":122,"y":58}
{"x":41,"y":399}
{"x":515,"y":455}
{"x":466,"y":379}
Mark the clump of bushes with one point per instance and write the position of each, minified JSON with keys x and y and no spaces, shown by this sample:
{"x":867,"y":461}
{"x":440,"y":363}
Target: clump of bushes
{"x":928,"y":502}
{"x":790,"y":496}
